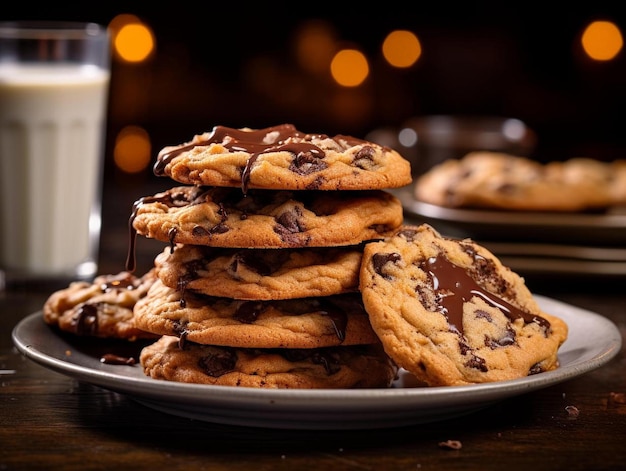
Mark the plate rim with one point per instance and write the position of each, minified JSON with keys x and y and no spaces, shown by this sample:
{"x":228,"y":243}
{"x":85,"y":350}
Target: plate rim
{"x":286,"y":406}
{"x":507,"y":218}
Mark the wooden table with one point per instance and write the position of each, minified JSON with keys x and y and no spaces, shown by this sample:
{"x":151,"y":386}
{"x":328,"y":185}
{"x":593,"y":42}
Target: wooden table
{"x":49,"y":421}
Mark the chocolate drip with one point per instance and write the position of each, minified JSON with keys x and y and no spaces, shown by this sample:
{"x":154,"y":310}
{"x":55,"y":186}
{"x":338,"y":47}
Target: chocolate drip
{"x":454,"y":287}
{"x":127,"y":283}
{"x":170,"y":199}
{"x":336,"y":308}
{"x":86,"y":320}
{"x":285,"y":137}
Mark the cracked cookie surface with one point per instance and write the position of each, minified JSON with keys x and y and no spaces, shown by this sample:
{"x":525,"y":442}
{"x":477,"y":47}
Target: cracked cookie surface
{"x":358,"y":366}
{"x":259,"y":274}
{"x":225,"y":217}
{"x":295,"y":323}
{"x":282,"y":158}
{"x":450,"y":313}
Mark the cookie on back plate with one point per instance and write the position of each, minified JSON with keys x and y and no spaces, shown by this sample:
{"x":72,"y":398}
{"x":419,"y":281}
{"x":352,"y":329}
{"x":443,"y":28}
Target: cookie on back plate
{"x":496,"y":180}
{"x":450,"y":313}
{"x":283,"y":158}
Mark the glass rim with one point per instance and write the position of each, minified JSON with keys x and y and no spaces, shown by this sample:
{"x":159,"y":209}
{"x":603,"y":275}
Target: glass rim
{"x":51,"y":29}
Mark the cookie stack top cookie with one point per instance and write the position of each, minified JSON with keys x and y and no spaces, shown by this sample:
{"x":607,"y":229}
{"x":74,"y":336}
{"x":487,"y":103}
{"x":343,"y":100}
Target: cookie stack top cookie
{"x":283,"y":158}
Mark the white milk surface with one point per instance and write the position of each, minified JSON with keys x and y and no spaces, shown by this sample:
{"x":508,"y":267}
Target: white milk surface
{"x":51,"y":143}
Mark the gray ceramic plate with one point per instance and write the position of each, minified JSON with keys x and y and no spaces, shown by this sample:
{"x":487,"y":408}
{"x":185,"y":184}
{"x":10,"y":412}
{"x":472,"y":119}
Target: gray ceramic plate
{"x":593,"y":341}
{"x":600,"y":229}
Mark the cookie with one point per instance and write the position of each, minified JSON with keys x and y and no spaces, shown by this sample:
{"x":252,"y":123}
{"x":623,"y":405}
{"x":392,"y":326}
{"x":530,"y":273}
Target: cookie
{"x":225,"y":217}
{"x":259,"y":274}
{"x":102,"y":308}
{"x":592,"y":179}
{"x":450,"y":313}
{"x":360,"y":366}
{"x":618,"y":183}
{"x":282,"y":158}
{"x":501,"y":181}
{"x":296,"y":323}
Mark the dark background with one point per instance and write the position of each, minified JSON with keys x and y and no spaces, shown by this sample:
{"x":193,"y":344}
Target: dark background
{"x":479,"y":58}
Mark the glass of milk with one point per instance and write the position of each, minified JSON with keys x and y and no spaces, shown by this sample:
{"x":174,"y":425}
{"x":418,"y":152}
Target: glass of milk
{"x":54,"y":82}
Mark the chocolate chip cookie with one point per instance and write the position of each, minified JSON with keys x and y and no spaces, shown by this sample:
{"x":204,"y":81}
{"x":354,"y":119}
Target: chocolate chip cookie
{"x":359,"y":366}
{"x":450,"y":313}
{"x":260,"y":274}
{"x":102,"y":308}
{"x":295,"y":323}
{"x":502,"y":181}
{"x":282,"y":158}
{"x":225,"y":217}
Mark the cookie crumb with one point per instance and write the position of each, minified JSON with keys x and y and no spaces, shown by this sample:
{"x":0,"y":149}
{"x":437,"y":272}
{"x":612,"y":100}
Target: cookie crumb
{"x":451,"y":445}
{"x":616,"y":398}
{"x":572,"y":412}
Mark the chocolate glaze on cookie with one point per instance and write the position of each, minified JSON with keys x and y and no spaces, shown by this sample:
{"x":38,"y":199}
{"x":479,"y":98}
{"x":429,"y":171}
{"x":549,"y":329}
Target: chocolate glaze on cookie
{"x":447,"y":278}
{"x":282,"y":158}
{"x":308,"y":158}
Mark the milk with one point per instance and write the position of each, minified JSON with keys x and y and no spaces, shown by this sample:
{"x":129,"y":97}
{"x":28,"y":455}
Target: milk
{"x":52,"y":120}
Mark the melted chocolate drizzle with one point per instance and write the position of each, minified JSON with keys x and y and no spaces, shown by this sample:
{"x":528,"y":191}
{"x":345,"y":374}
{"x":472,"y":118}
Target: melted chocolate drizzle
{"x":454,"y":286}
{"x":256,"y":142}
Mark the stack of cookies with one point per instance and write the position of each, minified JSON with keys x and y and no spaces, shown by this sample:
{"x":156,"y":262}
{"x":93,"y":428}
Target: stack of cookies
{"x":258,"y":284}
{"x":286,"y":264}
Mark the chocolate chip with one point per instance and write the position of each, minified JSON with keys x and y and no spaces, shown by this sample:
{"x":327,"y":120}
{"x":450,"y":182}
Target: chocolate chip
{"x":249,"y":311}
{"x":218,"y":362}
{"x":290,"y":220}
{"x":199,"y":231}
{"x":364,"y":158}
{"x":306,"y":163}
{"x":476,"y":363}
{"x":505,"y":341}
{"x":408,"y":234}
{"x":379,"y":261}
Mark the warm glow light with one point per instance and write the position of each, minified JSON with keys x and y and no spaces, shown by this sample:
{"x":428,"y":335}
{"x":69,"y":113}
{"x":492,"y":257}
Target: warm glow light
{"x":349,"y":68}
{"x":133,"y":40}
{"x":401,"y":48}
{"x":132,"y":150}
{"x":315,"y":44}
{"x":602,"y":40}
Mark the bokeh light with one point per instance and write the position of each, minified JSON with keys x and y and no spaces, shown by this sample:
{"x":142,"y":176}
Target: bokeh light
{"x":401,"y":48}
{"x":315,"y":43}
{"x":602,"y":40}
{"x":133,"y":41}
{"x":132,"y":151}
{"x":349,"y":67}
